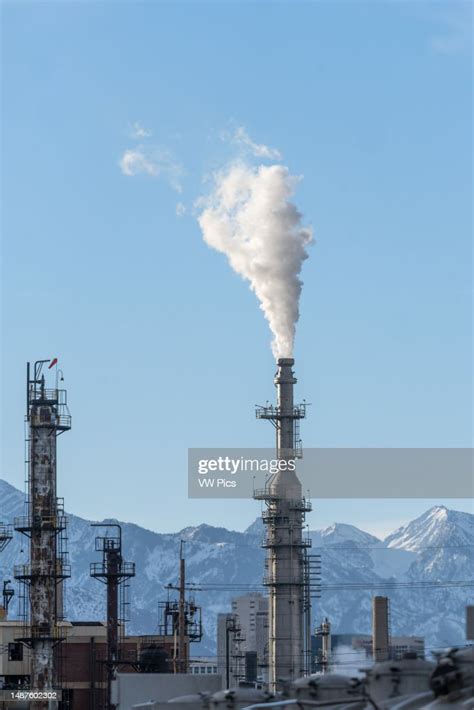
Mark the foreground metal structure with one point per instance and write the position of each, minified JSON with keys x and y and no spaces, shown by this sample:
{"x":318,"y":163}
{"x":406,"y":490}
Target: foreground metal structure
{"x":410,"y":683}
{"x":286,"y":565}
{"x":47,"y":417}
{"x":6,"y":535}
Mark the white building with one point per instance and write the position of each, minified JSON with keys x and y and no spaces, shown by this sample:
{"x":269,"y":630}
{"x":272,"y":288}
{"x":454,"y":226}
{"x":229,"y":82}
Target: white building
{"x":399,"y":645}
{"x":203,"y":665}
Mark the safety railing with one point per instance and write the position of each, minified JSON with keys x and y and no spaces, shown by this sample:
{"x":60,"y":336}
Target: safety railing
{"x":102,"y":569}
{"x":49,"y":395}
{"x":26,"y":523}
{"x":27,"y":572}
{"x":276,"y":541}
{"x":55,"y":421}
{"x":272,"y":412}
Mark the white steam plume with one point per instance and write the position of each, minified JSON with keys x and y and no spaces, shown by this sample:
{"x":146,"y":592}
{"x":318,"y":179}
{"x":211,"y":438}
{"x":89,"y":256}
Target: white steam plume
{"x":348,"y":661}
{"x":249,"y":218}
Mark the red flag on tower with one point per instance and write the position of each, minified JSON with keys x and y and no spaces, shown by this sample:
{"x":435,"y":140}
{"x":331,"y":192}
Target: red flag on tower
{"x":53,"y":363}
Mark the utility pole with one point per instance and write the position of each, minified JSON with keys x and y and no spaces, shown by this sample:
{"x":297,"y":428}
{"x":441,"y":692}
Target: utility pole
{"x":182,"y":657}
{"x":185,"y":616}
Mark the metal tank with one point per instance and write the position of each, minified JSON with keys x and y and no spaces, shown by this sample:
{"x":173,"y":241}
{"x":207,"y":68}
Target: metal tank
{"x":393,"y":679}
{"x":409,"y":684}
{"x":413,"y":683}
{"x":452,"y":682}
{"x":325,"y":688}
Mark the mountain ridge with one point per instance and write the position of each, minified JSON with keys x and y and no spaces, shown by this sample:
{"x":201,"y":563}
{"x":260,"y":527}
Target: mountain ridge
{"x":226,"y":563}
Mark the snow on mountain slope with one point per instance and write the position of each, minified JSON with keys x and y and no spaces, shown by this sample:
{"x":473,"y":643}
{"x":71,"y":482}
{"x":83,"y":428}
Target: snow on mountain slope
{"x":438,"y":526}
{"x":393,"y":564}
{"x":11,"y":501}
{"x":341,"y":532}
{"x":225,"y":563}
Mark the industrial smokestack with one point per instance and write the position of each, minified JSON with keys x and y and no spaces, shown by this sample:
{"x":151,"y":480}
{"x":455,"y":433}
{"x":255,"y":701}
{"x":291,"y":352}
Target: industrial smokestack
{"x":284,"y":382}
{"x":284,"y":517}
{"x":47,"y":416}
{"x":249,"y":217}
{"x":380,"y":629}
{"x":470,"y":622}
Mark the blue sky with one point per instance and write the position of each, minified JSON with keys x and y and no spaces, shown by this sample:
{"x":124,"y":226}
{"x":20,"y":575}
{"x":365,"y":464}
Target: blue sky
{"x":163,"y":347}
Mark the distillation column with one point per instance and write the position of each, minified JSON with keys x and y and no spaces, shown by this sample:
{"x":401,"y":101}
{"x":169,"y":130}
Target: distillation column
{"x":284,"y":540}
{"x":47,"y":417}
{"x":324,"y":632}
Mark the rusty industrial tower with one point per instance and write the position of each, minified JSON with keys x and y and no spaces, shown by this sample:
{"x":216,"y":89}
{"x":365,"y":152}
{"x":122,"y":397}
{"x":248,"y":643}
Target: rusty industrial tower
{"x":47,"y":416}
{"x":114,"y":572}
{"x":287,"y":575}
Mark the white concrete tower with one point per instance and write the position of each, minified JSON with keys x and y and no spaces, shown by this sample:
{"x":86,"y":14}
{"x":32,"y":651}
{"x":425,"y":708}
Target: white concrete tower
{"x":284,"y":540}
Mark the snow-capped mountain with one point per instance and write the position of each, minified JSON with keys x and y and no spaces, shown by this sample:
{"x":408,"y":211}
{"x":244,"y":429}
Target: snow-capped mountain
{"x":340,"y":532}
{"x":408,"y":566}
{"x":437,"y":527}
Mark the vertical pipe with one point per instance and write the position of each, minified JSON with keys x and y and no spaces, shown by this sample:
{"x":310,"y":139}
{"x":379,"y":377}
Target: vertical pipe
{"x":182,"y":662}
{"x":92,"y":661}
{"x":114,"y":560}
{"x":113,"y":564}
{"x":27,"y":391}
{"x":284,"y":382}
{"x":307,"y":616}
{"x":227,"y":655}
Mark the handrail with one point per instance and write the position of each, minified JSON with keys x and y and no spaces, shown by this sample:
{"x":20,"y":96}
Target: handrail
{"x":57,"y":522}
{"x":271,"y":411}
{"x":57,"y":421}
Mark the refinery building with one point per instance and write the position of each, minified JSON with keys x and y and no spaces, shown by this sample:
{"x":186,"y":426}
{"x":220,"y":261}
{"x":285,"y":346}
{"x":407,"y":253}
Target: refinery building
{"x":268,"y":654}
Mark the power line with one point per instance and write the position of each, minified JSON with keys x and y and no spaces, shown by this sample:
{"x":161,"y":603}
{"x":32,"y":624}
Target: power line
{"x":335,"y":652}
{"x":335,"y":547}
{"x":419,"y":584}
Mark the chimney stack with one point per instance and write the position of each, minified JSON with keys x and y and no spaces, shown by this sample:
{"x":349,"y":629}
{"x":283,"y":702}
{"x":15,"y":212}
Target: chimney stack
{"x":380,"y":629}
{"x":284,"y":516}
